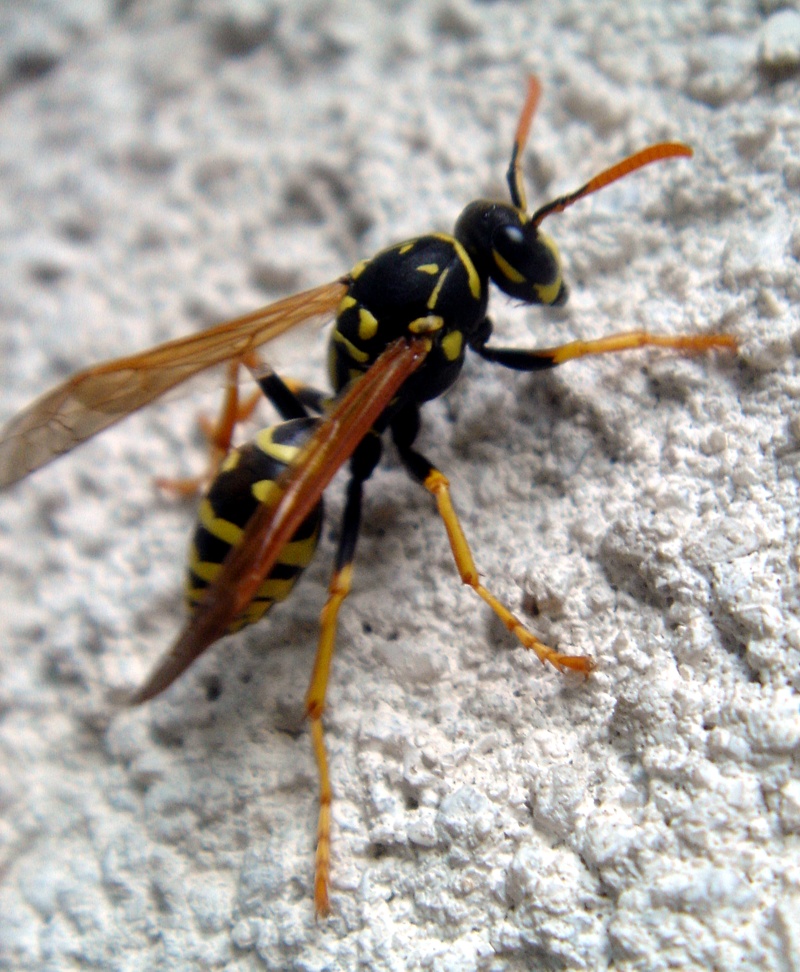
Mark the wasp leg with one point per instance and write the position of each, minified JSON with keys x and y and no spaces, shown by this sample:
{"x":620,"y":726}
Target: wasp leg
{"x":217,"y":434}
{"x":290,"y":398}
{"x":313,"y":399}
{"x":404,"y":431}
{"x":542,"y":358}
{"x":361,"y":465}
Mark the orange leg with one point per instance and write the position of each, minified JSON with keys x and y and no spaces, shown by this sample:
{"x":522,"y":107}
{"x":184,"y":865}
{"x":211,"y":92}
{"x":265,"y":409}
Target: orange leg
{"x":362,"y":465}
{"x":218,"y":434}
{"x":315,"y":706}
{"x":538,"y":359}
{"x":436,"y":484}
{"x":687,"y":343}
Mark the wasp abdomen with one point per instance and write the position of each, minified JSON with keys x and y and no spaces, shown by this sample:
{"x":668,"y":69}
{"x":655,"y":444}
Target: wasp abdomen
{"x":247,"y":478}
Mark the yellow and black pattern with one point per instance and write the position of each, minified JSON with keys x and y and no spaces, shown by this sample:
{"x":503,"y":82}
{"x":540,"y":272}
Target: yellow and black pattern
{"x":428,"y":285}
{"x":246,"y":478}
{"x":403,"y":322}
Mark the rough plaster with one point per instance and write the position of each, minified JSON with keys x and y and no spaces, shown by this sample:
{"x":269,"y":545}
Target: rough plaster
{"x":167,"y":165}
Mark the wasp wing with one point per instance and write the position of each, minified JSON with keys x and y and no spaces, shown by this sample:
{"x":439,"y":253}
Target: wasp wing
{"x":272,"y":526}
{"x":93,"y":399}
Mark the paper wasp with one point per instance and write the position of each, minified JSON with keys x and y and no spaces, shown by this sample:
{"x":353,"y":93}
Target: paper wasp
{"x":403,"y":323}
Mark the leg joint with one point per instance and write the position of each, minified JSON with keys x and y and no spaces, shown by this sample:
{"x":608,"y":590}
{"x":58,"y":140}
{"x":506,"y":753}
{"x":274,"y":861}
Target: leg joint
{"x":436,"y":482}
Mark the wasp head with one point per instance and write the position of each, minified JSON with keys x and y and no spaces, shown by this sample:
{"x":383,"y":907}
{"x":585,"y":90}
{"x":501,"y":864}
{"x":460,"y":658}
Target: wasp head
{"x":509,"y":248}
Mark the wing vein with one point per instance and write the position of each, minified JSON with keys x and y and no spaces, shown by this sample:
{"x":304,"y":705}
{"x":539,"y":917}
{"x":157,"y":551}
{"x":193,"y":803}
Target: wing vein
{"x":103,"y":394}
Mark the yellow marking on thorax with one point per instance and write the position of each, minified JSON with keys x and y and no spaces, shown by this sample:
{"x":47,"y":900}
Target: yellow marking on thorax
{"x":472,"y":274}
{"x":452,"y":344}
{"x":426,"y":325}
{"x":430,"y":268}
{"x":345,"y":304}
{"x":355,"y":353}
{"x":367,"y":324}
{"x":434,"y":297}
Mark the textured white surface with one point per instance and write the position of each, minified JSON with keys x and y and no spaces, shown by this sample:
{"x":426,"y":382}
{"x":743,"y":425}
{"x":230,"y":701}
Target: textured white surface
{"x":166,"y":165}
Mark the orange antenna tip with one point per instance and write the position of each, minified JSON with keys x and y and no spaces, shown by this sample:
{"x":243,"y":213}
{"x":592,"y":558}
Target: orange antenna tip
{"x":514,"y":174}
{"x":653,"y":153}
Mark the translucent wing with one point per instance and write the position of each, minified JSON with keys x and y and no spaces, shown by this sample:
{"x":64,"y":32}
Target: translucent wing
{"x":96,"y":398}
{"x":271,"y":526}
